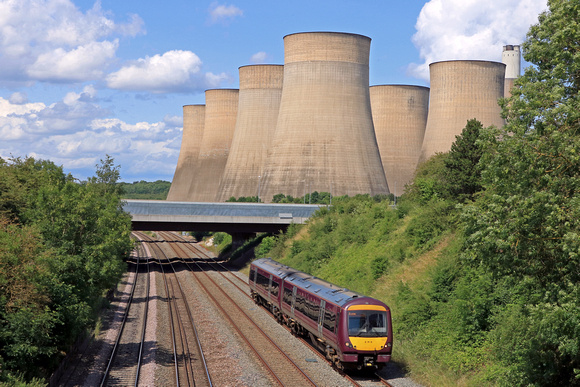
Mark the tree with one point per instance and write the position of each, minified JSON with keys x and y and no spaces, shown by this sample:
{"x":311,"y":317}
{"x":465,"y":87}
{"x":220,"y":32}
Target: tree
{"x":532,"y":173}
{"x":107,"y":176}
{"x":525,"y":228}
{"x":462,"y":169}
{"x":61,"y":247}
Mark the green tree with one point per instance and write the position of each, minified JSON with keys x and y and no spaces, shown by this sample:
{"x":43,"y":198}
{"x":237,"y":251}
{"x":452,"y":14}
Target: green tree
{"x":61,"y":247}
{"x":524,"y":230}
{"x":429,"y":181}
{"x":462,"y":169}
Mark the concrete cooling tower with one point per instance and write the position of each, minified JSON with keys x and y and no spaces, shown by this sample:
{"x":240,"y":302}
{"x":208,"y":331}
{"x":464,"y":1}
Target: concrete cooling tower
{"x":221,"y":108}
{"x":399,"y":116}
{"x":461,"y":90}
{"x":259,"y":102}
{"x":185,"y":173}
{"x":511,"y":58}
{"x":324,"y":139}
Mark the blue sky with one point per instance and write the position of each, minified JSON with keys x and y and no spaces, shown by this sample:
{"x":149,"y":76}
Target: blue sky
{"x":81,"y":79}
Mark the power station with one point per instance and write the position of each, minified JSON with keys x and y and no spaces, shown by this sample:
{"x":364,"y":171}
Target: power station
{"x":461,"y":90}
{"x":185,"y":173}
{"x":221,"y":109}
{"x":324,"y":138}
{"x":511,"y":57}
{"x":399,"y":117}
{"x":259,"y":102}
{"x":314,"y":124}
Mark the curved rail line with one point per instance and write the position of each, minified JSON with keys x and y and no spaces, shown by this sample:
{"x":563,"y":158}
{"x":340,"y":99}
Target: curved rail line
{"x":281,"y":367}
{"x":212,"y":260}
{"x":190,"y":364}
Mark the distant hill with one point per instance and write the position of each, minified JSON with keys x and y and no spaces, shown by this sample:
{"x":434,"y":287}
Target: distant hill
{"x":156,"y":190}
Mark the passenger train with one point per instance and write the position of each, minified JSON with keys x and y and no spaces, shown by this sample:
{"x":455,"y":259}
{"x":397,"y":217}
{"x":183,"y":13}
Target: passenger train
{"x":354,"y":331}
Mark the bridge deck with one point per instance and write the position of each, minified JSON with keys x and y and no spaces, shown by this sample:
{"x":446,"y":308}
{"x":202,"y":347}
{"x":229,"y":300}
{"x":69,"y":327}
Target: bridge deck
{"x":161,"y":215}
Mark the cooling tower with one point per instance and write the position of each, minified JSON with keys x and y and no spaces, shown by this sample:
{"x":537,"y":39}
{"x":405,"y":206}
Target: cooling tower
{"x":259,"y":102}
{"x":399,"y":116}
{"x":193,"y":124}
{"x":511,"y":58}
{"x":461,"y":90}
{"x":221,"y":108}
{"x":324,"y":138}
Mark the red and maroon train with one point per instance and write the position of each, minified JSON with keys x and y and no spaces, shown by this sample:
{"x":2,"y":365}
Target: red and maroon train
{"x":354,"y":331}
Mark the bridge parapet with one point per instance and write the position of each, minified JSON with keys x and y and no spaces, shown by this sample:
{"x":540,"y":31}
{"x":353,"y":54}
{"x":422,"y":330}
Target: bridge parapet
{"x":162,"y":215}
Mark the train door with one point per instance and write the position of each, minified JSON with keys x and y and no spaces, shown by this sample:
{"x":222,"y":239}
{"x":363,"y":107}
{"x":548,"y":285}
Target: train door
{"x":255,"y":273}
{"x":294,"y":290}
{"x":321,"y":317}
{"x":270,"y":286}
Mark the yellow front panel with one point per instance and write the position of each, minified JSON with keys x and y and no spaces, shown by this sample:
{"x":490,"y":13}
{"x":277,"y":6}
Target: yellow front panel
{"x":368,"y":343}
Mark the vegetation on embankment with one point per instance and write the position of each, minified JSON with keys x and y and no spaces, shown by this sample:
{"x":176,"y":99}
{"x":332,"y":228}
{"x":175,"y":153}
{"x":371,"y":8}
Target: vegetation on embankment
{"x":156,"y":190}
{"x":480,"y":261}
{"x":62,"y":244}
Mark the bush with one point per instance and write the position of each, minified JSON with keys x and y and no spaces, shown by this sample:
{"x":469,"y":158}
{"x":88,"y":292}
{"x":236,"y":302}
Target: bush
{"x":265,"y":247}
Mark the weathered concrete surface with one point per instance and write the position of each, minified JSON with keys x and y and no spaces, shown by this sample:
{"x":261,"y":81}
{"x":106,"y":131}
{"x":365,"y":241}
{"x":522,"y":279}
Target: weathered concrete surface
{"x":187,"y":169}
{"x":324,"y":138}
{"x":399,"y":117}
{"x":461,"y":90}
{"x":259,"y":103}
{"x":221,"y":109}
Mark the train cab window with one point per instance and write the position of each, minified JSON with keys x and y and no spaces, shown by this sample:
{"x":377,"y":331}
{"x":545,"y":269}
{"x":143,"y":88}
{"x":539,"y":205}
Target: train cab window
{"x":367,"y":323}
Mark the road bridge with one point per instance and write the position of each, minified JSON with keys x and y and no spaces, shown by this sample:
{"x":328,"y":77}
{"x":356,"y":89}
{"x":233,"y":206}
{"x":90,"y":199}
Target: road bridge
{"x":238,"y":219}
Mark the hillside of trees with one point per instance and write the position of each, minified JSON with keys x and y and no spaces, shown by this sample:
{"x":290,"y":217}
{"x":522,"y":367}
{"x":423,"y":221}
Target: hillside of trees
{"x":156,"y":190}
{"x":62,"y":244}
{"x":480,"y":260}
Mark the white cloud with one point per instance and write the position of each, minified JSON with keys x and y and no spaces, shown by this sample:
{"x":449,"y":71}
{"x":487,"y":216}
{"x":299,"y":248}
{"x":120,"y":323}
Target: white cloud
{"x":82,"y":63}
{"x":470,"y":29}
{"x":259,"y":57}
{"x":18,"y":98}
{"x":52,"y":40}
{"x":174,"y":71}
{"x":223,"y":13}
{"x":76,"y":133}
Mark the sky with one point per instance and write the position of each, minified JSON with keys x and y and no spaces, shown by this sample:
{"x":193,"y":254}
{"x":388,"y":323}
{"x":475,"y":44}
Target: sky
{"x":83,"y":79}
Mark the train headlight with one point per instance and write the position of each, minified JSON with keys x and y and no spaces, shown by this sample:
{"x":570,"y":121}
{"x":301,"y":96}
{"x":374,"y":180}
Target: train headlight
{"x":348,"y":344}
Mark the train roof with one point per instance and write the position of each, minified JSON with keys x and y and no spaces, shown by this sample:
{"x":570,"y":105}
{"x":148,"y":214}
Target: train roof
{"x":326,"y":290}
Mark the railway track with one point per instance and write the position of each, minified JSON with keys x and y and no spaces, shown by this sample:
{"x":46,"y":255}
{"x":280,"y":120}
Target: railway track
{"x":281,"y":367}
{"x":242,"y":286}
{"x":189,"y":361}
{"x":124,"y":363}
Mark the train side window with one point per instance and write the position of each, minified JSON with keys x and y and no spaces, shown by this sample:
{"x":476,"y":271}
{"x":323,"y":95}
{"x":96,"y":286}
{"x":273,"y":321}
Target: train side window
{"x":287,"y":298}
{"x":314,"y":310}
{"x":274,"y":288}
{"x":262,"y":281}
{"x":300,"y":304}
{"x":329,"y":320}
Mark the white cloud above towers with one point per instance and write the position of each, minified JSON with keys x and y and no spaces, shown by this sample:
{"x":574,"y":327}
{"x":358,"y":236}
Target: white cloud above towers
{"x":470,"y":29}
{"x":219,"y":13}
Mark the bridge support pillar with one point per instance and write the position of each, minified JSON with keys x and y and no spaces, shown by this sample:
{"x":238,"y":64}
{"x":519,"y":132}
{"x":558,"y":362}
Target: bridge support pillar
{"x":238,"y":238}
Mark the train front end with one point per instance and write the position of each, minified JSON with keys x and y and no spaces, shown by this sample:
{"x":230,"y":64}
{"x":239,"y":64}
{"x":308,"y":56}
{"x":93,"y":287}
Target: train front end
{"x":366,"y":334}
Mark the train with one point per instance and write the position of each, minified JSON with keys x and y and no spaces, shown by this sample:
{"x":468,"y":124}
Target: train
{"x":353,"y":331}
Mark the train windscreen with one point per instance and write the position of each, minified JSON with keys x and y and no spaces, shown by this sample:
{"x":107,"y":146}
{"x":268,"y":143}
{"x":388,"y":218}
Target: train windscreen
{"x":367,"y":323}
